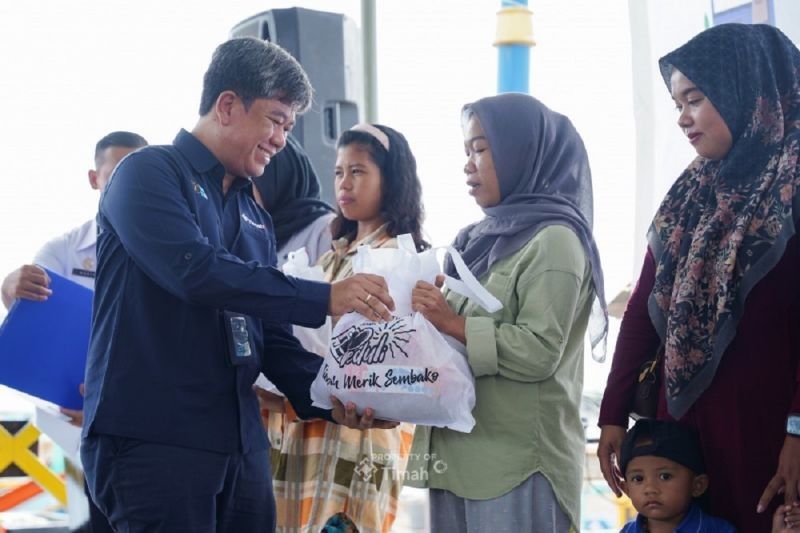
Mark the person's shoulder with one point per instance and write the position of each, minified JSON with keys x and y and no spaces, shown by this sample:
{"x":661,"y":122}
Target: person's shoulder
{"x":555,"y":247}
{"x":56,"y":252}
{"x":73,"y":236}
{"x":150,"y":164}
{"x":148,"y":156}
{"x":150,"y":152}
{"x":315,"y":230}
{"x":698,"y":520}
{"x":389,"y":242}
{"x":714,"y":524}
{"x":558,"y":236}
{"x":322,"y":221}
{"x":630,"y":527}
{"x":321,"y":226}
{"x":84,"y":236}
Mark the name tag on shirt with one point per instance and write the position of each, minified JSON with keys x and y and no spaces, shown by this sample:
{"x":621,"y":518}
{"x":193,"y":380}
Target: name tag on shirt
{"x":83,"y":273}
{"x":240,"y":349}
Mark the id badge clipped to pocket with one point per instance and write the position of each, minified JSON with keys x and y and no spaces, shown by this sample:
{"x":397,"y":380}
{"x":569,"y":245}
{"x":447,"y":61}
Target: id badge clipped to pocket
{"x":240,"y":350}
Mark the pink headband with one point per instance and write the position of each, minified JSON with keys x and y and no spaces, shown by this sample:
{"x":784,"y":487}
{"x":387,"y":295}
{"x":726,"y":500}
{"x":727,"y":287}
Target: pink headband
{"x":375,"y":132}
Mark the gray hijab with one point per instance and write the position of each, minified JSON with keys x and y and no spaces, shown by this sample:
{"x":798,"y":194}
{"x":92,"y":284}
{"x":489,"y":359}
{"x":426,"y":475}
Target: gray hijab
{"x":544,"y":177}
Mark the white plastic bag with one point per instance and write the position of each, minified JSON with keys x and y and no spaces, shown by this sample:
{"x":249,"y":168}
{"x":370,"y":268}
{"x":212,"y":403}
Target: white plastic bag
{"x":404,"y":369}
{"x":314,"y":340}
{"x":299,"y":265}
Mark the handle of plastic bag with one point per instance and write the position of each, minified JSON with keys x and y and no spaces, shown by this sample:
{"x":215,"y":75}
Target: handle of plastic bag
{"x":362,"y":260}
{"x":298,"y":258}
{"x":406,"y":243}
{"x":298,"y":265}
{"x":468,"y":286}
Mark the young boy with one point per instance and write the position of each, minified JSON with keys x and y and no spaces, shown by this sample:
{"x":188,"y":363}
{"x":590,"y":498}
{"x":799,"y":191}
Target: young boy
{"x":664,"y":474}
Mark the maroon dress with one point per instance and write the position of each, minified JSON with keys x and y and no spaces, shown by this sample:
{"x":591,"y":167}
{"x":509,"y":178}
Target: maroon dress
{"x":741,"y":417}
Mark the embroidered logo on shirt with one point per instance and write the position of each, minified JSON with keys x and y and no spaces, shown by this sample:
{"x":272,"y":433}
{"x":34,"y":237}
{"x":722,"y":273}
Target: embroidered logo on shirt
{"x":88,"y":264}
{"x":198,"y":189}
{"x":253,"y":223}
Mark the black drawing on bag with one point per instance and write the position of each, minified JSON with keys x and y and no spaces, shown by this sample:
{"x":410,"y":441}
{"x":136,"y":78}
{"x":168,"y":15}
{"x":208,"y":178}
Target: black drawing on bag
{"x":371,"y":342}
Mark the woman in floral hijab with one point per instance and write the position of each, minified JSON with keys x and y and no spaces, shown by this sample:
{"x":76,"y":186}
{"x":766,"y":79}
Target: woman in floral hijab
{"x":720,"y":288}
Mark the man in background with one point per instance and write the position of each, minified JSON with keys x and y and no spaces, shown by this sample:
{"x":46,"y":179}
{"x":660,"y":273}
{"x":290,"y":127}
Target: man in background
{"x":73,"y":256}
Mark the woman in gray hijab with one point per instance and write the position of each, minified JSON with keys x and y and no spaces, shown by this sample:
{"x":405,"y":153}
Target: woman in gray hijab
{"x":521,"y":467}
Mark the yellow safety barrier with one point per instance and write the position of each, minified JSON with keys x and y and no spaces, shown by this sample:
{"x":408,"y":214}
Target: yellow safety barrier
{"x":14,"y":449}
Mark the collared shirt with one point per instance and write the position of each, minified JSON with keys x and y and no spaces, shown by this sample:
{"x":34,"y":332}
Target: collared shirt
{"x":72,"y":255}
{"x":174,"y":253}
{"x":695,"y":521}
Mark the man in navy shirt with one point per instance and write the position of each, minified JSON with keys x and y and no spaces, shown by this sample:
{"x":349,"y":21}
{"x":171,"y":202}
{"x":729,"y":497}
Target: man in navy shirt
{"x":189,"y":308}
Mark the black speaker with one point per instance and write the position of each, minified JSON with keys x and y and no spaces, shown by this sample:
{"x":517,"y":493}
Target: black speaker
{"x":328,"y":46}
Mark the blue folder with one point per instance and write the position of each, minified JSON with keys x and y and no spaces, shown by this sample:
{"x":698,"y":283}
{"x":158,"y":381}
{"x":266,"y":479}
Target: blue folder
{"x":43,"y":345}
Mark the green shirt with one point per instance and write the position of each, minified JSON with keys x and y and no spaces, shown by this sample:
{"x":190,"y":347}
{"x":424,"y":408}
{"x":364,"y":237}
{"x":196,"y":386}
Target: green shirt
{"x":527,"y":360}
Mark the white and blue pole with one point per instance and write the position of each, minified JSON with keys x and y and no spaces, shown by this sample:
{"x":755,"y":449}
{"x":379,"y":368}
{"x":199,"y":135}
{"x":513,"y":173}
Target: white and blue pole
{"x":514,"y":41}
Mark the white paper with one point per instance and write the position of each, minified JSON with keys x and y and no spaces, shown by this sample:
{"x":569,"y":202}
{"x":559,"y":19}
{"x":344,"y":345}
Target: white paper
{"x":56,"y":426}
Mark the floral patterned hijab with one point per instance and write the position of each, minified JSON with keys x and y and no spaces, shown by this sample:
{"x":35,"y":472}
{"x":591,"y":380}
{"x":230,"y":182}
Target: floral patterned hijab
{"x":725,"y":224}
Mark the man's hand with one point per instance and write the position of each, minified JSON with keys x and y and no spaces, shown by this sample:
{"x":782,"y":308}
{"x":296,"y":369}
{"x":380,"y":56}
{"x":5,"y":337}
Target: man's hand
{"x":366,"y":293}
{"x":608,"y":449}
{"x":29,"y":282}
{"x":347,"y":416}
{"x":269,"y":401}
{"x":75,"y":415}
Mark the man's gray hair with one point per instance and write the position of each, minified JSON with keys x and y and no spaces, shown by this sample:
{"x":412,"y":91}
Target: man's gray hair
{"x":255,"y":69}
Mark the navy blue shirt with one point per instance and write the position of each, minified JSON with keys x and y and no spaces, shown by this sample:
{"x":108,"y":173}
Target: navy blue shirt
{"x":695,"y":521}
{"x":173,"y":254}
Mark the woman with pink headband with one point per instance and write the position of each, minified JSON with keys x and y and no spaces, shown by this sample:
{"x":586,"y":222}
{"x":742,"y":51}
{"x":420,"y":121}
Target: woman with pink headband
{"x":323,"y":470}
